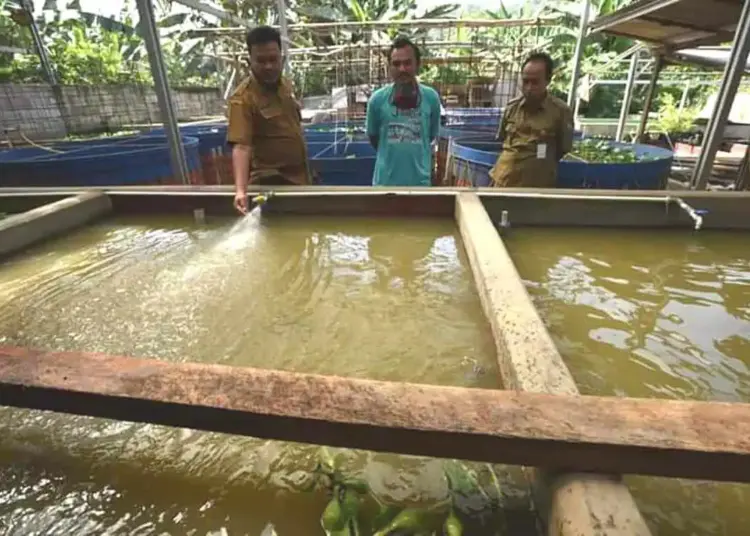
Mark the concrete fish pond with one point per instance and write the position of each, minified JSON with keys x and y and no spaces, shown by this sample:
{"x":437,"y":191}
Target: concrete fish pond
{"x":650,"y":314}
{"x":599,"y":164}
{"x":343,"y":361}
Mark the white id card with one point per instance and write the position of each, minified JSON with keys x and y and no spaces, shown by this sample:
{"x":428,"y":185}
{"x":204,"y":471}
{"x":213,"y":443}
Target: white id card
{"x":541,"y":151}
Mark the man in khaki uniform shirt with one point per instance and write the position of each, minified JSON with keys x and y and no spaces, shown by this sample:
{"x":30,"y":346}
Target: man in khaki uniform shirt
{"x":265,"y":130}
{"x":536,"y":131}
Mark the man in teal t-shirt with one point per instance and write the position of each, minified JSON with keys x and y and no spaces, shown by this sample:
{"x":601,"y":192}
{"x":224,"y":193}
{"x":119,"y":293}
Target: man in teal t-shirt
{"x":403,"y":119}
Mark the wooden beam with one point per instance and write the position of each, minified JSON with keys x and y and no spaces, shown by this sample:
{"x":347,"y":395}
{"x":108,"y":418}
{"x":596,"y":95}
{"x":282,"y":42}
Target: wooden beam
{"x":704,"y":440}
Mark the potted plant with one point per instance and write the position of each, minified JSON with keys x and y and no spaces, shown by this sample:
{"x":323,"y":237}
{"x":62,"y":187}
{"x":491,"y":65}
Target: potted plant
{"x":674,"y":125}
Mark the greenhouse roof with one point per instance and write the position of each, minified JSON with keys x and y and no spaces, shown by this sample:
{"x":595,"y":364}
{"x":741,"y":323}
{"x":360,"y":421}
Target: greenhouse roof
{"x":674,"y":24}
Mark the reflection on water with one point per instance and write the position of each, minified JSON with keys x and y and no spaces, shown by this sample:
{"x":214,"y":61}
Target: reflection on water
{"x":378,"y":299}
{"x":644,"y":314}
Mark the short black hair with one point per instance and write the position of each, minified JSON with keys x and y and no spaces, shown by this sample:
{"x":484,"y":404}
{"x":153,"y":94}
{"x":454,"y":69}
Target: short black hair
{"x":401,"y":42}
{"x":260,"y":35}
{"x":546,"y":59}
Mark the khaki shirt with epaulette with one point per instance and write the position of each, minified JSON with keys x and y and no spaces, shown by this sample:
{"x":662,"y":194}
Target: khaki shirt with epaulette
{"x":534,"y":141}
{"x":270,"y":123}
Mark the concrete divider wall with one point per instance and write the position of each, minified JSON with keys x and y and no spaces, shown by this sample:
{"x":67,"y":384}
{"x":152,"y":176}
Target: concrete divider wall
{"x":528,"y":360}
{"x":22,"y":230}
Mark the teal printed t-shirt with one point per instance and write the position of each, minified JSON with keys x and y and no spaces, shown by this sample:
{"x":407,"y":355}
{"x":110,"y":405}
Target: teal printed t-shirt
{"x":404,"y":154}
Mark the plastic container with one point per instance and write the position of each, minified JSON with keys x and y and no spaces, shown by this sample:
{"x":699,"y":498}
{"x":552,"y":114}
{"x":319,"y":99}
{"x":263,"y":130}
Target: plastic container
{"x":343,"y":164}
{"x":108,"y":162}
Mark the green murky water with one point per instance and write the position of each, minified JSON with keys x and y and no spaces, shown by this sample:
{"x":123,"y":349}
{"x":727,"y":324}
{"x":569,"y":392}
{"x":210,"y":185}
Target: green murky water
{"x":651,"y":314}
{"x":391,"y":300}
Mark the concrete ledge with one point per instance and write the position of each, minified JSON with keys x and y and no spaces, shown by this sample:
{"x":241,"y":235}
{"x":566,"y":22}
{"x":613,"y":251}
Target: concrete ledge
{"x":22,"y":230}
{"x":573,"y":504}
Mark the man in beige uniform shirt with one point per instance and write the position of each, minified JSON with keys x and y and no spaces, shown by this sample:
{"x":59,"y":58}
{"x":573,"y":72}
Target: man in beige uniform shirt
{"x":265,"y":129}
{"x":536,"y":131}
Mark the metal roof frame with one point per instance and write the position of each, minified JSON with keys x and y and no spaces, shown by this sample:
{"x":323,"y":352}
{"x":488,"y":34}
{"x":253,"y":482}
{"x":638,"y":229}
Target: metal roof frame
{"x":674,"y":24}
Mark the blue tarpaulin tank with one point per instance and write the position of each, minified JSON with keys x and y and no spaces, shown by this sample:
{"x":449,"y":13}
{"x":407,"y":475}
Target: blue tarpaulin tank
{"x":480,"y":129}
{"x":104,"y":162}
{"x":215,"y":155}
{"x":473,"y":159}
{"x":341,"y":131}
{"x":343,"y":164}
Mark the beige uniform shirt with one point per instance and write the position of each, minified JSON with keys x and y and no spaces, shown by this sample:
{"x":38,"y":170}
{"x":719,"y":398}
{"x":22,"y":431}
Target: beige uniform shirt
{"x":270,"y":123}
{"x":534,"y":141}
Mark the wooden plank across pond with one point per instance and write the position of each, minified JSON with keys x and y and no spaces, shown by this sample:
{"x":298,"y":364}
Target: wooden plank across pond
{"x":703,"y":440}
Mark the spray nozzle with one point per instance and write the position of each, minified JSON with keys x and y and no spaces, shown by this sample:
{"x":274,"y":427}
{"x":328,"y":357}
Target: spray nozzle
{"x":261,"y":199}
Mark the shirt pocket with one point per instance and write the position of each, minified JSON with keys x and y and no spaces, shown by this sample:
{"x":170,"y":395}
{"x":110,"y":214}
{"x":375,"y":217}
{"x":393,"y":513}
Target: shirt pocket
{"x":271,"y":113}
{"x":271,"y":121}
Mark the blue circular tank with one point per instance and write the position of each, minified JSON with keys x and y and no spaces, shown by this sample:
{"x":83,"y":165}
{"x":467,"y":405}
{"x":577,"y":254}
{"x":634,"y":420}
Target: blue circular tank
{"x":211,"y":136}
{"x":467,"y":130}
{"x":213,"y":149}
{"x":474,"y":158}
{"x":330,"y":132}
{"x":472,"y":161}
{"x":651,"y":172}
{"x":107,"y":162}
{"x":343,"y":164}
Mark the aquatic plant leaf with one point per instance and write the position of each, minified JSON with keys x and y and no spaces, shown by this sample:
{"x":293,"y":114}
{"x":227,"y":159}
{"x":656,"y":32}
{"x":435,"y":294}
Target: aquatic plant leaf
{"x":409,"y":520}
{"x":333,"y":518}
{"x":350,"y":503}
{"x":460,"y":479}
{"x":452,"y":525}
{"x":385,"y":515}
{"x":356,"y":484}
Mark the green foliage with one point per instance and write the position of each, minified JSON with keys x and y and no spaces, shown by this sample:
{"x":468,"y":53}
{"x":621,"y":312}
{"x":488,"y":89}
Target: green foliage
{"x":602,"y":152}
{"x":90,"y":49}
{"x":349,"y":512}
{"x":672,"y":120}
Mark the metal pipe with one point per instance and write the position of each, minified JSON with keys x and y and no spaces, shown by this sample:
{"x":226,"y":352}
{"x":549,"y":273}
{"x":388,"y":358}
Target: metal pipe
{"x":28,"y":6}
{"x":732,"y":76}
{"x":161,"y":85}
{"x":697,"y":215}
{"x":658,"y":64}
{"x":628,"y":97}
{"x":284,"y":30}
{"x":230,"y":83}
{"x":578,"y":55}
{"x":417,"y":24}
{"x":219,"y":13}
